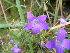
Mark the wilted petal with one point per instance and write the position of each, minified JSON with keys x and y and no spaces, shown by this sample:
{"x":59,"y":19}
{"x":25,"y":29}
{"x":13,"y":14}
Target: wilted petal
{"x":61,"y":34}
{"x":35,"y":30}
{"x":66,"y":43}
{"x":42,"y":18}
{"x":51,"y":44}
{"x":59,"y":49}
{"x":30,"y":16}
{"x":28,"y":26}
{"x":43,"y":25}
{"x":62,"y":21}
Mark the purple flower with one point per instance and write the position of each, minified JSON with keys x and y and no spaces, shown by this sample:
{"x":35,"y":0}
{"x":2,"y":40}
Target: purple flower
{"x":60,"y":42}
{"x":15,"y":49}
{"x":12,"y":41}
{"x":36,"y":23}
{"x":62,"y":21}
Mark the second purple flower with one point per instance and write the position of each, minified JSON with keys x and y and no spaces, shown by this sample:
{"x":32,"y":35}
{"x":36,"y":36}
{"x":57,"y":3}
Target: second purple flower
{"x":36,"y":23}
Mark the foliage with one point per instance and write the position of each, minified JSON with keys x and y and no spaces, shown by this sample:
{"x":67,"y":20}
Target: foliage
{"x":13,"y":19}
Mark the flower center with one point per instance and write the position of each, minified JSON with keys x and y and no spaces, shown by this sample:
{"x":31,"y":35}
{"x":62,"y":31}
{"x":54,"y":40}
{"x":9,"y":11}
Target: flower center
{"x":58,"y":41}
{"x":35,"y":23}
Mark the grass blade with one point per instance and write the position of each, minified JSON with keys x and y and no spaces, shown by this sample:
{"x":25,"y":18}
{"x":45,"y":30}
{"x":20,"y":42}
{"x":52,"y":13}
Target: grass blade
{"x":9,"y":25}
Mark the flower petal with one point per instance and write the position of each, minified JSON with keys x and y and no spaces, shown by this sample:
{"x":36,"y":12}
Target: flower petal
{"x":28,"y":26}
{"x":30,"y":16}
{"x":43,"y":25}
{"x":17,"y":50}
{"x":59,"y":49}
{"x":12,"y":48}
{"x":42,"y":18}
{"x":61,"y":34}
{"x":12,"y":41}
{"x":35,"y":30}
{"x":15,"y":46}
{"x":62,"y":21}
{"x":66,"y":43}
{"x":51,"y":44}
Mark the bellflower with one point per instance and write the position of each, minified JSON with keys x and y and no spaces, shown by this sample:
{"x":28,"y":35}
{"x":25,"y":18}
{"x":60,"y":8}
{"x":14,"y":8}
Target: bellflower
{"x":15,"y":49}
{"x":60,"y":42}
{"x":36,"y":23}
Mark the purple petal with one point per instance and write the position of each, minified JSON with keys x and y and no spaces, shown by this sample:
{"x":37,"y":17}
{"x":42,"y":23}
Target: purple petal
{"x":12,"y":41}
{"x":62,"y":21}
{"x":43,"y":25}
{"x":15,"y":46}
{"x":12,"y":48}
{"x":66,"y":43}
{"x":17,"y":50}
{"x":61,"y":34}
{"x":28,"y":26}
{"x":51,"y":44}
{"x":35,"y":30}
{"x":42,"y":18}
{"x":30,"y":16}
{"x":59,"y":49}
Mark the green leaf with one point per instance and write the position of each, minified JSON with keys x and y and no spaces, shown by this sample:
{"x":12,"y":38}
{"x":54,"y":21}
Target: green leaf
{"x":10,"y":25}
{"x":18,"y":5}
{"x":10,"y":2}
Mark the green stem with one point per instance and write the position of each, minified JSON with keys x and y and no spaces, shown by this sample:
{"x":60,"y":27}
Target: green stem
{"x":18,"y":5}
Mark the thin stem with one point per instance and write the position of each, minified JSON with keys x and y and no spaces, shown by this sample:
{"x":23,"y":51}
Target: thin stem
{"x":56,"y":27}
{"x":45,"y":8}
{"x":68,"y":17}
{"x":56,"y":11}
{"x":3,"y":12}
{"x":60,"y":3}
{"x":31,"y":5}
{"x":38,"y":3}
